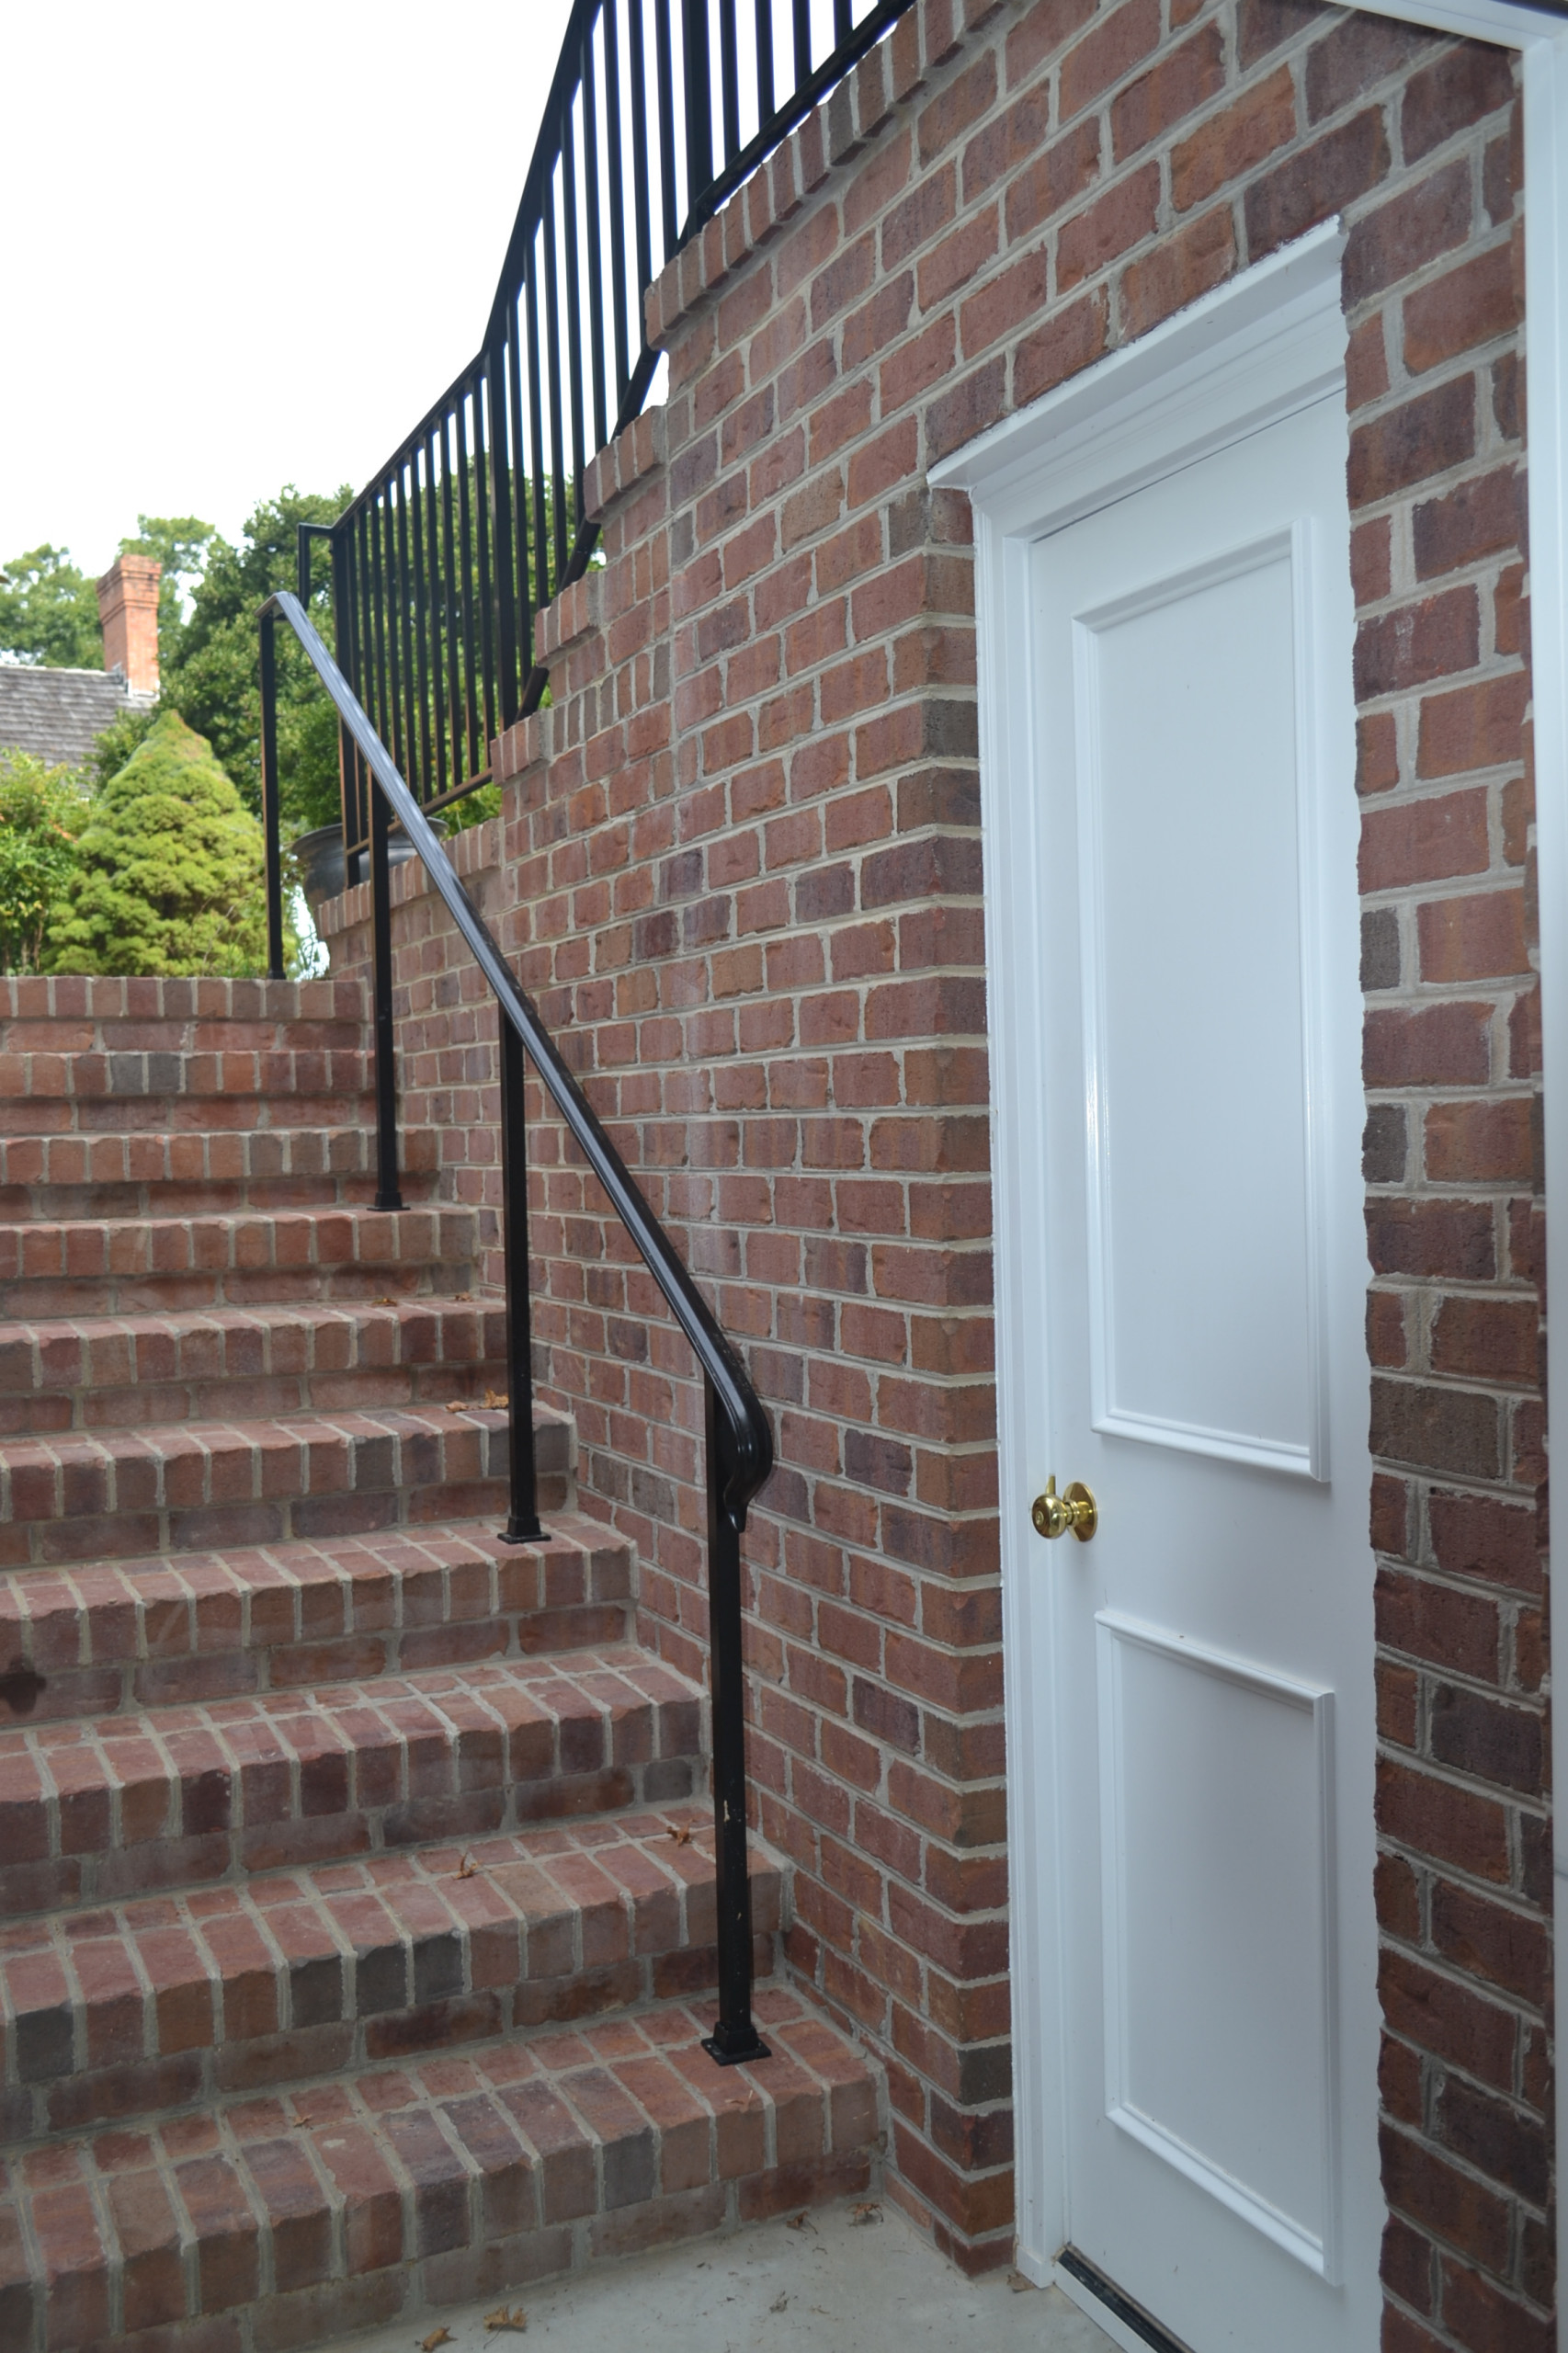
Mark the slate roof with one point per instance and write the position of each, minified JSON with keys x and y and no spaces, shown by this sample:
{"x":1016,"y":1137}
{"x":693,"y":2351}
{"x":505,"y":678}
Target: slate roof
{"x":56,"y":713}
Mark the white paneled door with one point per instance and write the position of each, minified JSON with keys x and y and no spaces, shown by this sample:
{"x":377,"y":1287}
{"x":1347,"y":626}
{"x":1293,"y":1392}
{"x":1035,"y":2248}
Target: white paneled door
{"x":1201,"y":1278}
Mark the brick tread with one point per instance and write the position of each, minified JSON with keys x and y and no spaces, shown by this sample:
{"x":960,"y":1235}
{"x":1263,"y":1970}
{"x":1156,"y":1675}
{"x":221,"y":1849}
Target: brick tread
{"x":114,"y":1636}
{"x":193,"y":1487}
{"x":127,"y":1265}
{"x":151,"y":1172}
{"x":94,"y":1809}
{"x":399,"y":2190}
{"x":96,"y":1373}
{"x":177,"y":1073}
{"x":92,"y":1000}
{"x":168,"y":2002}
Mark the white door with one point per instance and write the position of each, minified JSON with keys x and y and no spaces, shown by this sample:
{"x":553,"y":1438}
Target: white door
{"x":1207,"y":1681}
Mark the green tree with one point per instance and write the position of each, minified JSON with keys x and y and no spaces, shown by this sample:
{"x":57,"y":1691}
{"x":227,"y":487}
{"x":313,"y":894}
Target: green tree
{"x":48,"y":611}
{"x":170,"y":874}
{"x":42,"y":813}
{"x":212,"y":678}
{"x":179,"y":542}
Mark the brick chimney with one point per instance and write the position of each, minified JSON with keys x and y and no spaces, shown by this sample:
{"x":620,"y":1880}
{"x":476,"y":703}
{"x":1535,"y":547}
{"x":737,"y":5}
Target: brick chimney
{"x":128,"y":607}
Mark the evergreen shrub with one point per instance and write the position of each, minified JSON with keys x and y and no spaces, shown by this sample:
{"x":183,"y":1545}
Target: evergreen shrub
{"x":171,"y":871}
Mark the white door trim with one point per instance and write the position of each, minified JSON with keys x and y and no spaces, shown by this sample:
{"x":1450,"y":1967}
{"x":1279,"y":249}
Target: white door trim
{"x":1542,"y":36}
{"x":1252,"y":351}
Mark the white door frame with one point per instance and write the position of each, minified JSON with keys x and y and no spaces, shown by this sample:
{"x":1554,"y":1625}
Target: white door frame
{"x":1541,"y":38}
{"x":1259,"y":348}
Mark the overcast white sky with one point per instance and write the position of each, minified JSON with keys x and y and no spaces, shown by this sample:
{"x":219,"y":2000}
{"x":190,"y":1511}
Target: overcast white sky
{"x":245,"y":245}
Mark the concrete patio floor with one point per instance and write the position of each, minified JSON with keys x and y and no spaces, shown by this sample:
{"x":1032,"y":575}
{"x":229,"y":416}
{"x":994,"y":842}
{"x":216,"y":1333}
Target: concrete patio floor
{"x":838,"y":2285}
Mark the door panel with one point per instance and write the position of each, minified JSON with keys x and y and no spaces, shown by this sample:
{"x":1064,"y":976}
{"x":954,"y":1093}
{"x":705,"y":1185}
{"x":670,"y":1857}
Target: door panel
{"x":1200,"y":1263}
{"x":1215,"y":1895}
{"x":1201,"y":1328}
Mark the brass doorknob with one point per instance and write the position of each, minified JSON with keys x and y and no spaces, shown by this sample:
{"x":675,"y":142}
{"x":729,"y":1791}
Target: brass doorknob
{"x":1053,"y":1515}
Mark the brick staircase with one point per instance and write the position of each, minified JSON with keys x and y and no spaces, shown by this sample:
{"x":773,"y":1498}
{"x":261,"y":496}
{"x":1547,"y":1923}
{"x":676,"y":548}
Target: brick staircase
{"x":354,"y":1866}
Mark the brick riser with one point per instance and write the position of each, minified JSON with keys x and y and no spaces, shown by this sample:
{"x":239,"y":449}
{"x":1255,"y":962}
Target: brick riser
{"x":277,"y":1098}
{"x":303,"y":1771}
{"x":307,"y":2215}
{"x":72,"y":1175}
{"x":139,"y":1265}
{"x":161,"y":1175}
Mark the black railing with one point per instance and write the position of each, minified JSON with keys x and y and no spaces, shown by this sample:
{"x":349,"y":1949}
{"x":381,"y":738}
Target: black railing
{"x":659,"y":109}
{"x":439,"y":567}
{"x":739,"y":1452}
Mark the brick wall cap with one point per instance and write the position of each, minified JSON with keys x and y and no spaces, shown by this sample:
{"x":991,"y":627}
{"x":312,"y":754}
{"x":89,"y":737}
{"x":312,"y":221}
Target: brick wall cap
{"x":623,"y":463}
{"x":569,"y":617}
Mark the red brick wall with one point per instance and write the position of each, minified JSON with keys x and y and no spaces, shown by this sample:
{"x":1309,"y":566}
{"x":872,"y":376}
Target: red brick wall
{"x":739,"y":867}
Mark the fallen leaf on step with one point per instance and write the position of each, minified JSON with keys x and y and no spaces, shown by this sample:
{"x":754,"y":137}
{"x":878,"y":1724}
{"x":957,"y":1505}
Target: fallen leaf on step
{"x":496,"y":1399}
{"x":502,"y":2318}
{"x":468,"y":1867}
{"x":437,"y":2337}
{"x":778,"y":2304}
{"x":682,"y":1835}
{"x":801,"y":2222}
{"x":1019,"y":2284}
{"x":386,"y":1300}
{"x":867,"y":2212}
{"x":462,"y":1294}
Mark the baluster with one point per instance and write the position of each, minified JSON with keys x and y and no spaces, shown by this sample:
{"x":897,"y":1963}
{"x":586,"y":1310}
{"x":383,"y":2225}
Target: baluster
{"x":735,"y":2037}
{"x":387,"y":1194}
{"x":729,"y":80}
{"x":522,"y":1521}
{"x":699,"y":103}
{"x":270,"y":816}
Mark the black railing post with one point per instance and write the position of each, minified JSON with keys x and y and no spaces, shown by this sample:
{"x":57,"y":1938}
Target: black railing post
{"x":343,"y":632}
{"x":699,"y":102}
{"x":269,"y":812}
{"x":735,"y":2038}
{"x":387,"y":1194}
{"x":504,"y":459}
{"x":522,"y":1519}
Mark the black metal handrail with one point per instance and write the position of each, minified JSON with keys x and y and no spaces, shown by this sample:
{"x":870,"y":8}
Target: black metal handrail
{"x":739,"y":1452}
{"x":477,"y":519}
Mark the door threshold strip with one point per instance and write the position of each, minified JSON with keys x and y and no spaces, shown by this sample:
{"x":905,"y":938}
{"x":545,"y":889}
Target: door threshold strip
{"x":1132,"y":2316}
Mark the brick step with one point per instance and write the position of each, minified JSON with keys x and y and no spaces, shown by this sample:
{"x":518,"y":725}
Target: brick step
{"x":134,"y":1266}
{"x":198,"y":1486}
{"x":151,"y":1174}
{"x":88,"y":1010}
{"x":175,"y":2002}
{"x":202,"y":1626}
{"x":87,"y":1094}
{"x":75,"y":1013}
{"x":125,"y":1371}
{"x":93,"y":1811}
{"x":400,"y":2190}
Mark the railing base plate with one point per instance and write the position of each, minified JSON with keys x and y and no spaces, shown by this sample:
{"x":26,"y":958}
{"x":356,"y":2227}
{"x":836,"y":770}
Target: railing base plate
{"x":526,"y":1536}
{"x":739,"y":2057}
